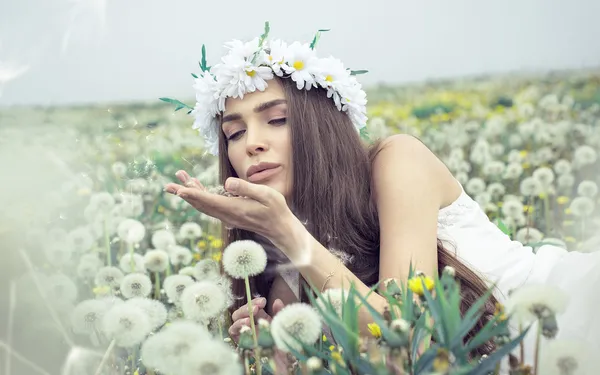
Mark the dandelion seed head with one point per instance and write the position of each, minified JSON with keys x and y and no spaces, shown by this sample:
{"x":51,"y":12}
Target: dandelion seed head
{"x":587,"y":188}
{"x":156,"y":260}
{"x":531,"y":302}
{"x":296,"y":320}
{"x":203,"y":300}
{"x":582,"y":206}
{"x":128,"y":325}
{"x":87,"y":316}
{"x":131,"y":231}
{"x":136,"y":285}
{"x":180,"y":256}
{"x":190,"y":231}
{"x":206,"y":269}
{"x":175,"y":285}
{"x":109,"y":276}
{"x":139,"y":263}
{"x":155,"y":310}
{"x":163,"y":239}
{"x":244,"y":258}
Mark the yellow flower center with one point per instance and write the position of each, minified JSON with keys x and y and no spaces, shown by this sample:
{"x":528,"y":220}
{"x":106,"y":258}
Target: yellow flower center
{"x":298,"y":65}
{"x":251,"y":73}
{"x":270,"y":58}
{"x":329,"y":78}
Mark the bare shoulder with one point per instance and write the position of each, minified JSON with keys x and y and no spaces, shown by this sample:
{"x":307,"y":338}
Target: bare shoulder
{"x":411,"y":160}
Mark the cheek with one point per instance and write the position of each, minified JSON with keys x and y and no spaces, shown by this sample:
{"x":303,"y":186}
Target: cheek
{"x":236,"y":160}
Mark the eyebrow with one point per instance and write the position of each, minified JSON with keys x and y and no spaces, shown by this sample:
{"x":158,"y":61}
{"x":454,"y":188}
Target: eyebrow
{"x":259,"y":108}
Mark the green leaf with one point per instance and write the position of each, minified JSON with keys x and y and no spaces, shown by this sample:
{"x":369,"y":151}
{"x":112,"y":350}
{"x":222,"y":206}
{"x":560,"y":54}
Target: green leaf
{"x":470,"y":318}
{"x":364,"y":134}
{"x":358,"y":72}
{"x":265,"y":34}
{"x":425,"y":361}
{"x":503,"y":227}
{"x":203,"y":60}
{"x":195,"y":76}
{"x":317,"y":37}
{"x":437,"y":313}
{"x":179,"y":105}
{"x":488,"y":364}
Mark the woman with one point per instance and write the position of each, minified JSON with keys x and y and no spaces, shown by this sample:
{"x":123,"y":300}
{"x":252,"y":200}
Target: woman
{"x":335,"y":209}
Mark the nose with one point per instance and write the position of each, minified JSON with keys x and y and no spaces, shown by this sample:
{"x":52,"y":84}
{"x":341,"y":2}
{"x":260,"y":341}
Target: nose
{"x":256,"y":141}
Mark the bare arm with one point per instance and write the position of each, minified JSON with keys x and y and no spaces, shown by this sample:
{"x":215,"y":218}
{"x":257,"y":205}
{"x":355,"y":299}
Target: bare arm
{"x":408,"y":187}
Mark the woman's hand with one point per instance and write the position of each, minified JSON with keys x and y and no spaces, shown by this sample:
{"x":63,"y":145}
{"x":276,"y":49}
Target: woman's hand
{"x":241,"y":318}
{"x":258,"y":208}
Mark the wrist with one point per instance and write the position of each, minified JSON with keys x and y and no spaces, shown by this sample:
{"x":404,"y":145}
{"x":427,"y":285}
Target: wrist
{"x":291,"y":236}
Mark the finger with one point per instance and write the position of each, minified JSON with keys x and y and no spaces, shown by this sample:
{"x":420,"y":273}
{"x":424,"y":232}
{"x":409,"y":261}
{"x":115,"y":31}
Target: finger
{"x":277,"y":306}
{"x":198,"y":183}
{"x":187,"y":180}
{"x":262,"y":314}
{"x":235,"y":328}
{"x":260,"y":193}
{"x":258,"y":303}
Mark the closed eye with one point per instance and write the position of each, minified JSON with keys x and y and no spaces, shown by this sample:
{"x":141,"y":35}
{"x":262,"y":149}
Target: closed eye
{"x":235,"y":135}
{"x":278,"y":121}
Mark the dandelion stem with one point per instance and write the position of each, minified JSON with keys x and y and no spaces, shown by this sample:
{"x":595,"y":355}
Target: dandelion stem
{"x":105,"y":357}
{"x":107,"y":244}
{"x":157,"y":285}
{"x":547,"y":213}
{"x":9,"y":328}
{"x":23,"y":359}
{"x":251,"y":314}
{"x":521,"y":345}
{"x":537,"y":348}
{"x":131,"y":262}
{"x":42,"y":293}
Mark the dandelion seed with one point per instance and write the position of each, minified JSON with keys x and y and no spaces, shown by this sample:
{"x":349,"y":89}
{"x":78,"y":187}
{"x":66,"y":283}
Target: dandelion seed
{"x":206,"y":269}
{"x":175,"y":285}
{"x":128,"y":325}
{"x":58,"y":254}
{"x":156,"y":260}
{"x":475,"y":186}
{"x":335,"y":297}
{"x":533,"y":302}
{"x":131,"y":231}
{"x":136,"y":285}
{"x":203,"y":300}
{"x":582,"y":206}
{"x":512,"y":171}
{"x":190,"y":231}
{"x":163,"y":239}
{"x":109,"y":276}
{"x":87,"y":316}
{"x":587,"y":188}
{"x":139,"y":263}
{"x":155,"y":310}
{"x":530,"y":187}
{"x":180,"y":256}
{"x":167,"y":349}
{"x":529,"y":236}
{"x":296,"y":321}
{"x":512,"y":208}
{"x":244,"y":258}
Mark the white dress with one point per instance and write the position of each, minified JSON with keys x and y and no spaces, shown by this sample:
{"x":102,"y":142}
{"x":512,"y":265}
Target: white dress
{"x":466,"y":230}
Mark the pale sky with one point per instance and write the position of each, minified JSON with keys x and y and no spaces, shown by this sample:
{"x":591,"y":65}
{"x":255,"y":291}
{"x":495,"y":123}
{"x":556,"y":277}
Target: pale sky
{"x":85,"y":51}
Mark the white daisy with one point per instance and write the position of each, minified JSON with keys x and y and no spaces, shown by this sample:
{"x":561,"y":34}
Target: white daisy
{"x":300,"y":61}
{"x":276,"y":55}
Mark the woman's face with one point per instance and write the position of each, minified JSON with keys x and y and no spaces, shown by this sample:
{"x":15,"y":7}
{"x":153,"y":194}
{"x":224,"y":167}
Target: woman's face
{"x":257,"y":132}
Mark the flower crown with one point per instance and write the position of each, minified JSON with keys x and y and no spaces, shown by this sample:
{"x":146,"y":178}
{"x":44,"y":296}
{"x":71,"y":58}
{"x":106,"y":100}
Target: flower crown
{"x":249,"y":65}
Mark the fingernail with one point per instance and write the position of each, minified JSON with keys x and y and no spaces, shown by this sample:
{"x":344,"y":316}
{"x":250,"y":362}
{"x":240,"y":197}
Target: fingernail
{"x":232,"y":184}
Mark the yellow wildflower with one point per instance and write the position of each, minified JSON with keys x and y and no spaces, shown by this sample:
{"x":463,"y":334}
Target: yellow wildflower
{"x":441,"y":363}
{"x":197,"y":256}
{"x":568,"y":223}
{"x":526,"y":165}
{"x":542,"y":195}
{"x":523,"y":153}
{"x":161,"y":209}
{"x":216,"y":243}
{"x":500,"y":312}
{"x":101,"y":290}
{"x":210,"y":237}
{"x":500,"y":204}
{"x":375,"y":330}
{"x":562,"y":200}
{"x":570,"y":239}
{"x":331,"y":348}
{"x":201,"y":245}
{"x":336,"y":356}
{"x":568,"y":211}
{"x":216,"y":257}
{"x":527,"y":208}
{"x":416,"y":284}
{"x":324,"y":338}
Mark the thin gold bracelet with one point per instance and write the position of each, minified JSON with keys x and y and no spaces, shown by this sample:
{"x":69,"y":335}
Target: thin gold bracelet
{"x":327,"y":280}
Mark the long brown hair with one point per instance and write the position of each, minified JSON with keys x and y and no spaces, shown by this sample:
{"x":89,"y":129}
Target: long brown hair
{"x":332,"y":195}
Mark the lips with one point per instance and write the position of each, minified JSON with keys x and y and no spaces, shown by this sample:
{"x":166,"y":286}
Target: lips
{"x":262,"y":171}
